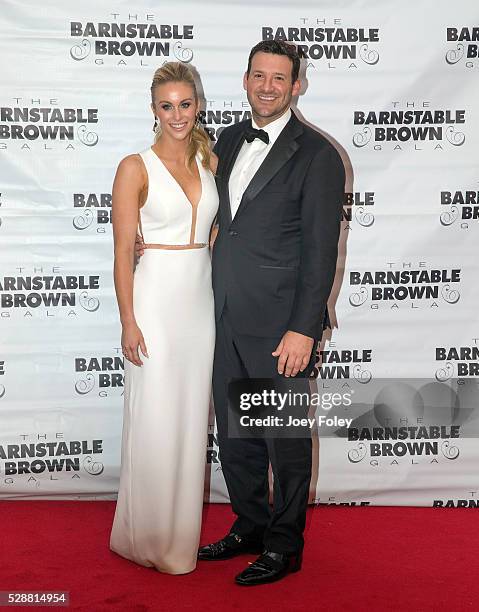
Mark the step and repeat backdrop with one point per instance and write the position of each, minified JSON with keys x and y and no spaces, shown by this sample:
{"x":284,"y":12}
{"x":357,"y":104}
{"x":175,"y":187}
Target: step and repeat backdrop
{"x":395,"y":89}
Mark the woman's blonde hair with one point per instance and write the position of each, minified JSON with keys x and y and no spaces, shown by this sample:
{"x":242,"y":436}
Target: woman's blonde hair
{"x":176,"y":72}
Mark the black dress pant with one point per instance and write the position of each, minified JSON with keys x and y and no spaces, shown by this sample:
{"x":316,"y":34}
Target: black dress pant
{"x":245,"y":462}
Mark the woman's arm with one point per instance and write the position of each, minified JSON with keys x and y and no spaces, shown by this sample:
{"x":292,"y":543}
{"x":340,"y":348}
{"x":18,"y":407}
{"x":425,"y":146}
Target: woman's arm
{"x":128,"y":188}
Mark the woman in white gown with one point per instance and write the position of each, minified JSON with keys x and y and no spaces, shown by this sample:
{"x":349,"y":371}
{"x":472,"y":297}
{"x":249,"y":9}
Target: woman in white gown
{"x":168,"y":192}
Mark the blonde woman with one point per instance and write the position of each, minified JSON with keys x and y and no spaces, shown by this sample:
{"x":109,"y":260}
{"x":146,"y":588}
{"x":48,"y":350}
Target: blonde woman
{"x":168,"y":193}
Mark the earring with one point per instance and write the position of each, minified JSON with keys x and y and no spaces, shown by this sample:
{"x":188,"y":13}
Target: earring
{"x":198,"y":124}
{"x":156,"y":126}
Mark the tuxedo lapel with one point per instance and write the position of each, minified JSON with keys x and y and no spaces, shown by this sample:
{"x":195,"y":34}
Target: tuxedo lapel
{"x":282,"y":150}
{"x":234,"y":149}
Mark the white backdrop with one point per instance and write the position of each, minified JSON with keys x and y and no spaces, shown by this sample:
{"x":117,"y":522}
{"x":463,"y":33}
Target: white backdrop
{"x":75,"y":100}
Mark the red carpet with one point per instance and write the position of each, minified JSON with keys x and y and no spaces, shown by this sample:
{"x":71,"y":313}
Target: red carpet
{"x":374,"y":559}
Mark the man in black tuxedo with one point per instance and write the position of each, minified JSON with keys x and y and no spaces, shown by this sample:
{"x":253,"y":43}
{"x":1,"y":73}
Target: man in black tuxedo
{"x":281,"y":186}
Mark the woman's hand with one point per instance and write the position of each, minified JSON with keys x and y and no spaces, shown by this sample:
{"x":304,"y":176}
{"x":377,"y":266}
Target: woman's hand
{"x":131,"y":339}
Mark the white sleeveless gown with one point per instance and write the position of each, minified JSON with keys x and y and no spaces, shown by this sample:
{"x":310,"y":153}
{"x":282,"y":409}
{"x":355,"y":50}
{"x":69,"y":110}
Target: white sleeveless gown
{"x":158,"y":514}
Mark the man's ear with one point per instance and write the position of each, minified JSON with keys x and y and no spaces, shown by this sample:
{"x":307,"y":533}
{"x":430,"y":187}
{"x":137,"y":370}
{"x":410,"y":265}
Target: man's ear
{"x":296,"y":87}
{"x":245,"y":80}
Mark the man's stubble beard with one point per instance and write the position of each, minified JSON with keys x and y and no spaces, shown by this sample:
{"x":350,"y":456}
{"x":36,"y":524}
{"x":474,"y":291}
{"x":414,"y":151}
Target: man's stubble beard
{"x":272,"y":117}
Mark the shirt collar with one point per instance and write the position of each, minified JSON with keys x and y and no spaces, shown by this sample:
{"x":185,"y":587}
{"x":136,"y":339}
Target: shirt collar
{"x":274,"y":128}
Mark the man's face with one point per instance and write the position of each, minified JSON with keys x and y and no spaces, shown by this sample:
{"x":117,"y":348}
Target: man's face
{"x":269,"y":87}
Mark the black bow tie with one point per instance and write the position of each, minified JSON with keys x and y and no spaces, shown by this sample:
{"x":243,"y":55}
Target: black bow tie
{"x":251,"y":133}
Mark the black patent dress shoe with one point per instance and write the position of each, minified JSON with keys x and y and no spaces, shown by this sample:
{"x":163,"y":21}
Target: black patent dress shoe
{"x":269,"y":567}
{"x":230,"y":546}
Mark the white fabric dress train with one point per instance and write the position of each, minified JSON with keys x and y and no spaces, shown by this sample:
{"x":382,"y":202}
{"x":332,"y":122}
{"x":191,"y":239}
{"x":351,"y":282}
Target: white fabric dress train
{"x":158,"y":514}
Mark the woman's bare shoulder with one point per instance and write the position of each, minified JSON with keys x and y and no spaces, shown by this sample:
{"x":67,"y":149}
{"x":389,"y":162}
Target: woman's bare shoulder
{"x":132,"y":167}
{"x":132,"y":162}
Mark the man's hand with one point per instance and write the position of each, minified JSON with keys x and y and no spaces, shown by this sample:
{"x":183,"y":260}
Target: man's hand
{"x":294,"y":352}
{"x":139,"y":246}
{"x":214,"y":233}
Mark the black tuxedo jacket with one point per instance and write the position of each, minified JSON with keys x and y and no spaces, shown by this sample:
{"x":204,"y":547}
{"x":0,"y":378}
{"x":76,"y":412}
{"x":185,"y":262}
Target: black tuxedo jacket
{"x":274,"y":263}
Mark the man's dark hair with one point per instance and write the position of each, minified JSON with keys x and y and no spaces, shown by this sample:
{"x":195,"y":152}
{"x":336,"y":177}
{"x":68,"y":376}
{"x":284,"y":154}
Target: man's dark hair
{"x":278,"y":47}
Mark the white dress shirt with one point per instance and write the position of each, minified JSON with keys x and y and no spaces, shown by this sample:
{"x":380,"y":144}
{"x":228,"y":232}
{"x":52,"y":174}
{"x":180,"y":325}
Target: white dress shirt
{"x":250,"y":158}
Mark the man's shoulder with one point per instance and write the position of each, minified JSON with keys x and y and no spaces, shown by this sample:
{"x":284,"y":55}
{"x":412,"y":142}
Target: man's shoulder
{"x":314,"y":138}
{"x":236,"y":128}
{"x":314,"y":143}
{"x":228,"y":134}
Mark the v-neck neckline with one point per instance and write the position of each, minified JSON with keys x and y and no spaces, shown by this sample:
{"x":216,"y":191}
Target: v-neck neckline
{"x":193,"y":206}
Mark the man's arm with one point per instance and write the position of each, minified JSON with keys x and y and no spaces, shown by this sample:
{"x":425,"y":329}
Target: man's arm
{"x":217,"y":152}
{"x":322,"y":197}
{"x":218,"y":145}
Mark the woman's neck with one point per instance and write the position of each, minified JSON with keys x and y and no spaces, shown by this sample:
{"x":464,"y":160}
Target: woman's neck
{"x":171,"y":149}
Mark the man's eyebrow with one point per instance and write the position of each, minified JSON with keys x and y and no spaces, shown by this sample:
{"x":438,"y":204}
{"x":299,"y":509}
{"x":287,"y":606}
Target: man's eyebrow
{"x":275,"y":73}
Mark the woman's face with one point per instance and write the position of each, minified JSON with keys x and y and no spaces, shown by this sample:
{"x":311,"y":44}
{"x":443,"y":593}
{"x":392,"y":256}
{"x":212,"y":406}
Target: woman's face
{"x":176,"y":108}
